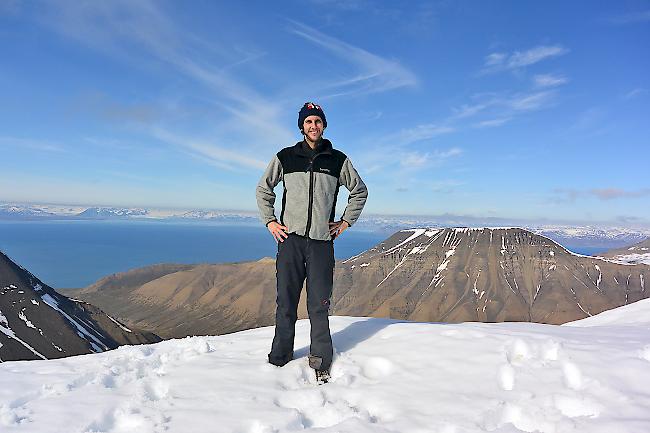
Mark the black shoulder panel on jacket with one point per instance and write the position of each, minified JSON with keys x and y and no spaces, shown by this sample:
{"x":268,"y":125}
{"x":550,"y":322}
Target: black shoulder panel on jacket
{"x":334,"y":163}
{"x":293,"y":160}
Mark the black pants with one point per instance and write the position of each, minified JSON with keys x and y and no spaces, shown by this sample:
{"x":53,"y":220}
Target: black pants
{"x":299,"y":258}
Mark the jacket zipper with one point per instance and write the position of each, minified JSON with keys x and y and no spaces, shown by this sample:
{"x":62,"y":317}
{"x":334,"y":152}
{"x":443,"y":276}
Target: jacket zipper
{"x":311,"y":194}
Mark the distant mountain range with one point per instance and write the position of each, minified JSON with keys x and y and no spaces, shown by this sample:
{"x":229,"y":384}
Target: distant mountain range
{"x":427,"y":274}
{"x":36,"y":322}
{"x":30,"y":212}
{"x":577,"y":236}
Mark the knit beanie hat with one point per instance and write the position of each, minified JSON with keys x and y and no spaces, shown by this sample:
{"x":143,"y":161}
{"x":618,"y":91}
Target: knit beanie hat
{"x":310,"y":109}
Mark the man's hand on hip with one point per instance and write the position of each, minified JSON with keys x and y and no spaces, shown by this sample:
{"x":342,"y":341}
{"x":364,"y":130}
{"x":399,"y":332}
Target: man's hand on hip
{"x":278,"y":231}
{"x":337,"y":228}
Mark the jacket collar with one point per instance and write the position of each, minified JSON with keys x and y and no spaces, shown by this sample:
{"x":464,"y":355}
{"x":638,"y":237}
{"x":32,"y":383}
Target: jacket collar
{"x":325,"y":147}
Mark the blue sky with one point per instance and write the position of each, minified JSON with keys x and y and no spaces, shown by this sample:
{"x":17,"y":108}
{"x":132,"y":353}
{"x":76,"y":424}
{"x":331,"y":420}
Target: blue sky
{"x":490,"y":109}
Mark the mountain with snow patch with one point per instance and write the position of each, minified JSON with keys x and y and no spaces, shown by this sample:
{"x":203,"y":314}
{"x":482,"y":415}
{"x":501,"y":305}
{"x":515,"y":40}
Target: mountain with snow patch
{"x":486,"y":275}
{"x":36,"y":322}
{"x":112,"y":212}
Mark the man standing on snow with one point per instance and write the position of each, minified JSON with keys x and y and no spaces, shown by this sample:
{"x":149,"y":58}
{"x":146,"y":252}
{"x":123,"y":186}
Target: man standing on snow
{"x":311,"y":172}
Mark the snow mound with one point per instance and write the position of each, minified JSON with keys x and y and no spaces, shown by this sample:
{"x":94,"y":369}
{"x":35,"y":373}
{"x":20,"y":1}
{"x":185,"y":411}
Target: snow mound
{"x":637,"y":313}
{"x":387,"y":376}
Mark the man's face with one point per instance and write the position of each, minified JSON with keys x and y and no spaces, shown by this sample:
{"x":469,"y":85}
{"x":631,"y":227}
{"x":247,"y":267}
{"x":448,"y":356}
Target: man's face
{"x":313,"y":128}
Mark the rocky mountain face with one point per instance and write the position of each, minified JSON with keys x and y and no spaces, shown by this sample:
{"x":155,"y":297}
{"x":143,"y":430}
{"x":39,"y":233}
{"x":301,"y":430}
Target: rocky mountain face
{"x":36,"y":322}
{"x":181,"y":300}
{"x":439,"y":275}
{"x":486,"y":275}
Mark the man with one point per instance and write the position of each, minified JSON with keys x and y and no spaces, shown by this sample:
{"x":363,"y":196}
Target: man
{"x":311,"y":172}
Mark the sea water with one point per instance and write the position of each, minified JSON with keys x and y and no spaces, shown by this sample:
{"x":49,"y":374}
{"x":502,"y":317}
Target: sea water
{"x":73,"y":254}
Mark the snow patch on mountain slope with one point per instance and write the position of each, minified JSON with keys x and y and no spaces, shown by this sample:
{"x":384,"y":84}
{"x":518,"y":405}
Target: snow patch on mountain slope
{"x":632,"y":259}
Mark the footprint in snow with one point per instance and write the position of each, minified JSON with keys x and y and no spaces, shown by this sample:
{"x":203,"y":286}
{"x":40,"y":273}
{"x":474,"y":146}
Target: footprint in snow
{"x":518,"y":351}
{"x":376,"y":368}
{"x":507,"y":377}
{"x":154,"y":390}
{"x":128,"y":419}
{"x":645,"y":353}
{"x":573,"y":407}
{"x":15,"y":413}
{"x":316,"y":409}
{"x":572,"y":376}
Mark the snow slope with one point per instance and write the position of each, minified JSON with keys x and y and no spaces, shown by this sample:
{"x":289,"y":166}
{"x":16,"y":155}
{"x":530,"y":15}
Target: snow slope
{"x":388,"y":376}
{"x":637,"y":313}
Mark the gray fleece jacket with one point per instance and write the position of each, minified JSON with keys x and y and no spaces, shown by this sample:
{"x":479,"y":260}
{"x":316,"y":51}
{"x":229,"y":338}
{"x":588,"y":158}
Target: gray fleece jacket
{"x":311,"y":184}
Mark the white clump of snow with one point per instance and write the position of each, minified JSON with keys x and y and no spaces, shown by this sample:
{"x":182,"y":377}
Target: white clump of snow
{"x":387,"y":376}
{"x":119,"y":324}
{"x":24,"y":318}
{"x":442,"y":266}
{"x":363,"y":265}
{"x":600,"y":276}
{"x":82,"y":332}
{"x":3,"y":320}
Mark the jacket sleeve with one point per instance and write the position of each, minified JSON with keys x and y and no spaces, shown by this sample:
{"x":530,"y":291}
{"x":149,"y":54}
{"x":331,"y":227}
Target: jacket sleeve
{"x":358,"y":192}
{"x":264,"y":192}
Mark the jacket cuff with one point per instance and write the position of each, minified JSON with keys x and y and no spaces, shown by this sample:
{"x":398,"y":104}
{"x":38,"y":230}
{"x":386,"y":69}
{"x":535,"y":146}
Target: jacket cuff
{"x":273,"y":220}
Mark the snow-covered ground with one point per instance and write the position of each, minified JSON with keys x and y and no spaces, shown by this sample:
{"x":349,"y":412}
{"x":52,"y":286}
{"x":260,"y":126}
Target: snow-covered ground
{"x":388,"y":376}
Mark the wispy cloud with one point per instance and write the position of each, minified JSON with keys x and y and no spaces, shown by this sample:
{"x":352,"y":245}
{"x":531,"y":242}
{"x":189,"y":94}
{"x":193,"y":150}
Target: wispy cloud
{"x":614,"y":193}
{"x":491,"y":123}
{"x":418,"y":133}
{"x":605,"y":194}
{"x":27,"y":143}
{"x":630,"y":18}
{"x":549,"y":80}
{"x":495,"y":62}
{"x":591,"y":122}
{"x":418,"y":160}
{"x":106,"y":108}
{"x":529,"y":101}
{"x":639,"y":91}
{"x":374,"y":73}
{"x":343,"y":5}
{"x":210,"y":152}
{"x":501,"y":107}
{"x":414,"y":160}
{"x":142,"y":32}
{"x":445,"y":186}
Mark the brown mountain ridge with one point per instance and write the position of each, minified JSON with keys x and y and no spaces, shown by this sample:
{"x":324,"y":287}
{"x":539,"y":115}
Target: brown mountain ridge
{"x":424,"y":274}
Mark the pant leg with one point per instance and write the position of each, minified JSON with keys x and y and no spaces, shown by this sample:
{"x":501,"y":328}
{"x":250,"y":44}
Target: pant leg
{"x":290,"y":275}
{"x":320,"y":280}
